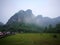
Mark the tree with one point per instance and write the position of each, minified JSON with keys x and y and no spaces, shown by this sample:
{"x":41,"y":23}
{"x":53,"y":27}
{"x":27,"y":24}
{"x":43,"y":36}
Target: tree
{"x":45,"y":29}
{"x":57,"y":28}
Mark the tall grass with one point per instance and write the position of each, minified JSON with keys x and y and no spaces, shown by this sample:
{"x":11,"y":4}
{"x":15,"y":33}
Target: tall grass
{"x":31,"y":39}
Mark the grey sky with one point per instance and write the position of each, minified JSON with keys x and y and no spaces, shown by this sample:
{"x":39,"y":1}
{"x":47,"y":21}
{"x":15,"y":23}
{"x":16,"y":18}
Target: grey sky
{"x":47,"y":8}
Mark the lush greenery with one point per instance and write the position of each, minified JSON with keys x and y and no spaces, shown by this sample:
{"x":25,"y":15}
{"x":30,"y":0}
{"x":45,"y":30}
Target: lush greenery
{"x":51,"y":29}
{"x":30,"y":28}
{"x":18,"y":27}
{"x":31,"y":39}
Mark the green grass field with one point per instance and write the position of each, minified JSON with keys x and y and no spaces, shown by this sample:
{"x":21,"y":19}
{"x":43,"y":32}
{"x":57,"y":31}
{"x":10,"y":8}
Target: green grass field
{"x":31,"y":39}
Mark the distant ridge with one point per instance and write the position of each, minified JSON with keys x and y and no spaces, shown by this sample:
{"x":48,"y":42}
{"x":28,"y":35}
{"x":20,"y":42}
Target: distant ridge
{"x":29,"y":18}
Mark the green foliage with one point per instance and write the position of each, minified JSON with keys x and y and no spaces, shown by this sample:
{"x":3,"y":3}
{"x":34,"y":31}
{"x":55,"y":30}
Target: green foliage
{"x":31,"y":39}
{"x":51,"y":29}
{"x":30,"y":28}
{"x":18,"y":27}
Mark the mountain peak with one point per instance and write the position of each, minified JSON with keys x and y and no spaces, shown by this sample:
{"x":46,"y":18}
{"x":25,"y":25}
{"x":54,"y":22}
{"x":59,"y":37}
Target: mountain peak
{"x":28,"y":17}
{"x":21,"y":11}
{"x":29,"y":11}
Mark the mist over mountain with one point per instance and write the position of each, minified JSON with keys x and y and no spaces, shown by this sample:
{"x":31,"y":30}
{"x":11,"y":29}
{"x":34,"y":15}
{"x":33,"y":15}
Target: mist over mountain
{"x":1,"y":23}
{"x":22,"y":16}
{"x":28,"y":17}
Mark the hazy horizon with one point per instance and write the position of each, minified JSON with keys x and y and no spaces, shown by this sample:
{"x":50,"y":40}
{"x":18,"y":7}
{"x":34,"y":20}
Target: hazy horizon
{"x":46,"y":8}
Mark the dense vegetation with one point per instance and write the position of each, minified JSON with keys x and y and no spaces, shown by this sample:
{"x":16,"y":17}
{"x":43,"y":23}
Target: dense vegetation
{"x":30,"y":28}
{"x":25,"y":21}
{"x":26,"y":29}
{"x":31,"y":39}
{"x":51,"y":29}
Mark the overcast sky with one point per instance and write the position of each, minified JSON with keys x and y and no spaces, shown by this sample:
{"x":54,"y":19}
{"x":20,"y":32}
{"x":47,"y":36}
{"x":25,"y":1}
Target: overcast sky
{"x":47,"y":8}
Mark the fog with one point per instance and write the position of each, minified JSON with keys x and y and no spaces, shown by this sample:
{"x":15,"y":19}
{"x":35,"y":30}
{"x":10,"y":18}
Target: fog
{"x":46,"y":8}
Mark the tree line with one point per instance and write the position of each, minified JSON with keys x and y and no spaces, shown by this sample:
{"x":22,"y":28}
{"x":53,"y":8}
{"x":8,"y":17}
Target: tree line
{"x":30,"y":28}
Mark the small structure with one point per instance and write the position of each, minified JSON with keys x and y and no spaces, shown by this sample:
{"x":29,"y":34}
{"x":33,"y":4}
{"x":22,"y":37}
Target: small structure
{"x":1,"y":33}
{"x":8,"y":33}
{"x":13,"y":33}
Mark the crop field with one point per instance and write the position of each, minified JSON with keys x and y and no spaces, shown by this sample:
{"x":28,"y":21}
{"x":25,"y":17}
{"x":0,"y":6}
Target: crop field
{"x":31,"y":39}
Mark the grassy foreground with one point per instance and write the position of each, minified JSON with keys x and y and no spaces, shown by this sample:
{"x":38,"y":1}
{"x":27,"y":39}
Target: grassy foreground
{"x":31,"y":39}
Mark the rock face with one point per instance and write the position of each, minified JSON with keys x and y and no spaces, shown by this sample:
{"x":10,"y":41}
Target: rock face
{"x":21,"y":17}
{"x":28,"y":17}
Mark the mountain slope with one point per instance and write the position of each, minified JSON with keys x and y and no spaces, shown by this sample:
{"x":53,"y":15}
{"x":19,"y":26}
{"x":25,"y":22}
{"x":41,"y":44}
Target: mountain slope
{"x":28,"y":17}
{"x":1,"y":23}
{"x":21,"y":16}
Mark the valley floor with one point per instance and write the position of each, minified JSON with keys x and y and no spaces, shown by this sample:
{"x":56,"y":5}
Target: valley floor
{"x":31,"y":39}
